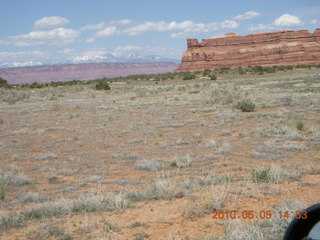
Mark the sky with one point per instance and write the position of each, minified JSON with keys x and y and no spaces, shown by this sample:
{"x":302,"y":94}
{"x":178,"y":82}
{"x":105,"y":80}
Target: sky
{"x":34,"y":32}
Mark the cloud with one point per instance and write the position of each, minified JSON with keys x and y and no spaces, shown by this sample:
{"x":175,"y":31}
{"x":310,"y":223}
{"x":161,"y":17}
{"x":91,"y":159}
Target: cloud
{"x":23,"y":58}
{"x":127,"y":48}
{"x":184,"y":28}
{"x":91,"y":27}
{"x":50,"y":22}
{"x":261,"y":27}
{"x":247,"y":15}
{"x":108,"y":31}
{"x":284,"y":21}
{"x":102,"y":25}
{"x":57,"y":36}
{"x":21,"y":64}
{"x":66,"y":51}
{"x":287,"y":20}
{"x":313,"y":21}
{"x":90,"y":40}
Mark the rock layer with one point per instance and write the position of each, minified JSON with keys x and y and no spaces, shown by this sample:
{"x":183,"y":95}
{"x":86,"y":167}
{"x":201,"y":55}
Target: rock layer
{"x":259,"y":49}
{"x":86,"y":71}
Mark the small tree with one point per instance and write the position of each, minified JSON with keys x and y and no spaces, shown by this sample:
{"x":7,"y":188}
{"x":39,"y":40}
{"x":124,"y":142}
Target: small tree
{"x":3,"y":83}
{"x":102,"y":85}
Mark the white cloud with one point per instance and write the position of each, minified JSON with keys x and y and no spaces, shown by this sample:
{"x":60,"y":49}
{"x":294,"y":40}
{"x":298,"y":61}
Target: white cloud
{"x":247,"y":15}
{"x":120,"y":22}
{"x":50,"y":22}
{"x":260,"y":27}
{"x":127,"y":48}
{"x":287,"y":20}
{"x":23,"y":58}
{"x":184,"y":28}
{"x":284,"y":21}
{"x":108,"y":31}
{"x":57,"y":36}
{"x":313,"y":21}
{"x":90,"y":40}
{"x":90,"y":27}
{"x":102,"y":25}
{"x":66,"y":51}
{"x":21,"y":55}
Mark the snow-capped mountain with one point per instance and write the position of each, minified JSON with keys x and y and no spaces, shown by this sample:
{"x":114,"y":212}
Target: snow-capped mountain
{"x":109,"y":58}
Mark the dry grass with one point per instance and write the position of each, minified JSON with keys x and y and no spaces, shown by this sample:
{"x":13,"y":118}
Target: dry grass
{"x":208,"y":199}
{"x":13,"y":177}
{"x":270,"y":229}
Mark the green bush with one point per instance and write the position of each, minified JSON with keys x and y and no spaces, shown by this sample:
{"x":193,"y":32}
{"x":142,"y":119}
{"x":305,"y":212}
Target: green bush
{"x":246,"y":105}
{"x":241,"y":70}
{"x":206,"y":72}
{"x":213,"y":77}
{"x":2,"y":192}
{"x":261,"y":174}
{"x":300,"y":125}
{"x":102,"y":85}
{"x":188,"y":76}
{"x":3,"y":83}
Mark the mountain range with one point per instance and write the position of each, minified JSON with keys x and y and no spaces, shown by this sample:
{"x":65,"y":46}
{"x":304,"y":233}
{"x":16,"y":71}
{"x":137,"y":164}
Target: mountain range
{"x":106,"y":58}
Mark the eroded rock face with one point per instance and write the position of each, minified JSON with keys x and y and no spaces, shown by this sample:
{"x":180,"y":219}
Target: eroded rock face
{"x":259,"y":49}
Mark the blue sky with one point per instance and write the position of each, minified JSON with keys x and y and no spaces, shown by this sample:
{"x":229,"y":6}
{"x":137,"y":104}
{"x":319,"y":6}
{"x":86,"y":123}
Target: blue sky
{"x":43,"y":32}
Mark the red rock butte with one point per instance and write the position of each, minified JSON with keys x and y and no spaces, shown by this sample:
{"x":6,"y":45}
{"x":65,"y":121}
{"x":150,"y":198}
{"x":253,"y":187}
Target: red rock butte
{"x":285,"y":47}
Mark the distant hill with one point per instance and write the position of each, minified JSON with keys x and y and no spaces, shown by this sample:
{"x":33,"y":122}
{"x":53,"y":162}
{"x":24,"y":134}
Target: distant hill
{"x":83,"y":71}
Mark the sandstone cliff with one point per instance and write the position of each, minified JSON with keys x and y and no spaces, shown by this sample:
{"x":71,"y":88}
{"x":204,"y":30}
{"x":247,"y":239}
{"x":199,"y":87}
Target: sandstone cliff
{"x":88,"y":71}
{"x":264,"y":49}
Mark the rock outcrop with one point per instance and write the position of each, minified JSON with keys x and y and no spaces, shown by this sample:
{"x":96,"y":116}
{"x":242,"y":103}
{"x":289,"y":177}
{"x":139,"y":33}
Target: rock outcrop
{"x":85,"y":71}
{"x":259,"y":49}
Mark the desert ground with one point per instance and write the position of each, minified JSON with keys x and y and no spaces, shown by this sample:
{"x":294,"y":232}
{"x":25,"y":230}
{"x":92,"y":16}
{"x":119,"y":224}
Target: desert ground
{"x":153,"y":159}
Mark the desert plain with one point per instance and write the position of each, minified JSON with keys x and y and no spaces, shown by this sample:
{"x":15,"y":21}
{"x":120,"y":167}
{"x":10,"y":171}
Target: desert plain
{"x":152,"y":159}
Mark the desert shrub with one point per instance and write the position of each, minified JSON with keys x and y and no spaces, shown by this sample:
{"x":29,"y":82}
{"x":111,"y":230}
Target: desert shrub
{"x":138,"y":224}
{"x":208,"y":199}
{"x":97,"y":201}
{"x":206,"y":72}
{"x":220,"y":148}
{"x":148,"y":164}
{"x":33,"y":197}
{"x":261,"y":174}
{"x":246,"y":105}
{"x":188,"y":76}
{"x":274,"y":174}
{"x":300,"y":125}
{"x":270,"y":69}
{"x":12,"y":96}
{"x":2,"y":191}
{"x":161,"y":188}
{"x":11,"y":221}
{"x":224,"y":96}
{"x":102,"y":85}
{"x":241,"y":70}
{"x":13,"y":177}
{"x":213,"y":77}
{"x":3,"y":83}
{"x":181,"y":162}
